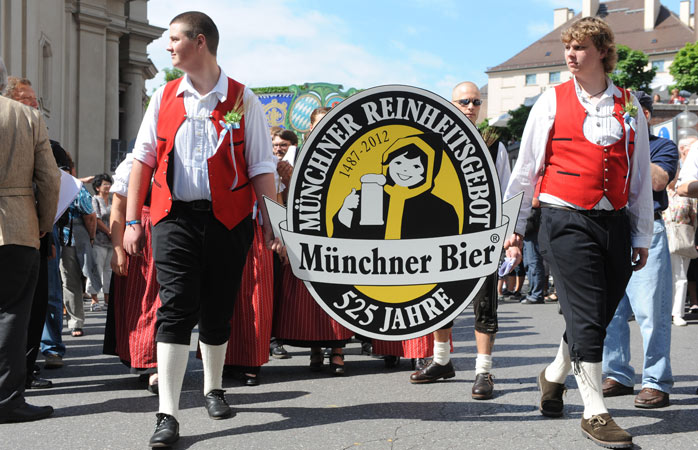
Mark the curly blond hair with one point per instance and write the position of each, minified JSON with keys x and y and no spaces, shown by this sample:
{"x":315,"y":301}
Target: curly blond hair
{"x":600,"y":34}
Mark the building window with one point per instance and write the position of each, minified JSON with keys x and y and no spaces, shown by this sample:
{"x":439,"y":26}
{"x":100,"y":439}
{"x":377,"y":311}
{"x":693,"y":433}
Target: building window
{"x":554,"y":77}
{"x":658,"y":66}
{"x":530,"y":79}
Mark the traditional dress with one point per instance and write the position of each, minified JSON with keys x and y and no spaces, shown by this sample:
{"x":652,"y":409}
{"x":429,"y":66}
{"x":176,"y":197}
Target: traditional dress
{"x":298,"y":320}
{"x":130,"y":329}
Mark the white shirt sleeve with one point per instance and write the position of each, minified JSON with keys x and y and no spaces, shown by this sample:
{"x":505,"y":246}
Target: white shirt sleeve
{"x":145,"y":148}
{"x":689,"y":169}
{"x":258,"y":152}
{"x":529,"y":163}
{"x":640,"y":203}
{"x":121,"y":176}
{"x":503,"y":167}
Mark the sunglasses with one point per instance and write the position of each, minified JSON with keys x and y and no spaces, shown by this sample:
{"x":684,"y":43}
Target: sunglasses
{"x":466,"y":101}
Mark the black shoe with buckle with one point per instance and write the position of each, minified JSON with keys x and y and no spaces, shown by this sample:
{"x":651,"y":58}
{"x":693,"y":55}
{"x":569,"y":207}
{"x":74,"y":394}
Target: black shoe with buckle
{"x":216,"y":405}
{"x":433,"y":372}
{"x":483,"y":388}
{"x":166,"y":431}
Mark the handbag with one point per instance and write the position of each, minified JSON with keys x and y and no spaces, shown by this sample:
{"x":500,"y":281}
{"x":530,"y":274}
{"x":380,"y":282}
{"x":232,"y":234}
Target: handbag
{"x":682,"y":239}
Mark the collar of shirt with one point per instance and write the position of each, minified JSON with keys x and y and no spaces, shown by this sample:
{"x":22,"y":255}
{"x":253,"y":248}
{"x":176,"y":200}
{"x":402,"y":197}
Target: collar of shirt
{"x":584,"y":98}
{"x":220,"y":89}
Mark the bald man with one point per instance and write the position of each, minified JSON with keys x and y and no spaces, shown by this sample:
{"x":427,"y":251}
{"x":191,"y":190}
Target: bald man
{"x":466,"y":97}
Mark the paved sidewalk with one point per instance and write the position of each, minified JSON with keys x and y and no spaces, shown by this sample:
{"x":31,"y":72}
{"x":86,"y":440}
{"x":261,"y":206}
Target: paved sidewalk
{"x":99,"y":405}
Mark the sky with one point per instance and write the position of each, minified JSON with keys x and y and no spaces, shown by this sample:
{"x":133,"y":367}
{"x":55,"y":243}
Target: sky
{"x":432,"y":44}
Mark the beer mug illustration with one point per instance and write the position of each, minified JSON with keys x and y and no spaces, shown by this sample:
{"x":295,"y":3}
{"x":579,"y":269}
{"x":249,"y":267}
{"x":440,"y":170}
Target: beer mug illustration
{"x":372,"y":199}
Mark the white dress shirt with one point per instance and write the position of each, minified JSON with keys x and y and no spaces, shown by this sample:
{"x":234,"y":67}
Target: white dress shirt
{"x":503,"y":167}
{"x":601,"y":128}
{"x":196,"y":139}
{"x":121,"y":176}
{"x":689,"y":168}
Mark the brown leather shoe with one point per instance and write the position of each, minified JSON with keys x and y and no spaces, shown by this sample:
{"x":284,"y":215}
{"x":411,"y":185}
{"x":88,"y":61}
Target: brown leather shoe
{"x":551,"y":403}
{"x":432,"y":372}
{"x":649,"y":398}
{"x":483,"y":387}
{"x":603,"y":431}
{"x":612,"y":388}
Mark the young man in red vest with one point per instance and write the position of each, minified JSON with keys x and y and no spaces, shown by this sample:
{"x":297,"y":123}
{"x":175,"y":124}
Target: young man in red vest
{"x":585,"y":153}
{"x":207,"y":167}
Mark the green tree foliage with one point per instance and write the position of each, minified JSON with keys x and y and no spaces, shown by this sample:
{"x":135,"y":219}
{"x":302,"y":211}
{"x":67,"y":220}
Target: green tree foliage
{"x":684,"y":69}
{"x":172,"y":74}
{"x":631,"y":72}
{"x":516,"y":124}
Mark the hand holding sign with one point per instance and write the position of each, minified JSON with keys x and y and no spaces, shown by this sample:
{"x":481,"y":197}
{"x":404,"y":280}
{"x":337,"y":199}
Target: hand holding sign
{"x":351,"y":202}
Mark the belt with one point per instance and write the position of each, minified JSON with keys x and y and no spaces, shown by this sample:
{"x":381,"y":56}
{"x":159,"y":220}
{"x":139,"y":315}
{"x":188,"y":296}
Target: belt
{"x":587,"y":212}
{"x":196,"y":205}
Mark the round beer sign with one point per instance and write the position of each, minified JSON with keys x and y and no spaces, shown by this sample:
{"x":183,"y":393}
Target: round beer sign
{"x":394,"y":214}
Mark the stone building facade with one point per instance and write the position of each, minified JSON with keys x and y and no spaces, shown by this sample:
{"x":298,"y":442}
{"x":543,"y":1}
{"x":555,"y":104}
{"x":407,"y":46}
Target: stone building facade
{"x":88,"y":64}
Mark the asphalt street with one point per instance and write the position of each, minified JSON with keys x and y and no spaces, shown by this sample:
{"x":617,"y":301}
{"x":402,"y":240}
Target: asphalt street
{"x":99,"y":405}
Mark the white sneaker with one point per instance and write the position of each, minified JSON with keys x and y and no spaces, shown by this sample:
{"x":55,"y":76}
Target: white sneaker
{"x":679,"y":322}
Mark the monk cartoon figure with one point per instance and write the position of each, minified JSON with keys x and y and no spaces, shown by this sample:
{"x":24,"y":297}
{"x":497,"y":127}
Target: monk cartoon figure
{"x":393,"y":205}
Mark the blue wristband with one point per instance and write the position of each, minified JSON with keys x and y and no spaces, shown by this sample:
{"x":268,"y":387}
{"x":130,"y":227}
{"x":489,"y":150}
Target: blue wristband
{"x":133,"y":222}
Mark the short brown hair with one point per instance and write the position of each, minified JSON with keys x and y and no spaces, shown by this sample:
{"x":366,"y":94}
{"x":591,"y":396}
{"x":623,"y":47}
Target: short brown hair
{"x":287,"y":135}
{"x":600,"y":34}
{"x":13,"y":84}
{"x":199,"y":23}
{"x":321,"y":111}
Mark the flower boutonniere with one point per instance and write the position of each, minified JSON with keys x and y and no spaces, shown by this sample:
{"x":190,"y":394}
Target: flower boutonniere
{"x":629,"y":111}
{"x":231,"y":119}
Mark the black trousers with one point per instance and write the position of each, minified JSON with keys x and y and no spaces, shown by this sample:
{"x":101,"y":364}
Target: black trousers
{"x":37,"y":316}
{"x":199,"y":266}
{"x":485,"y":307}
{"x":19,"y":269}
{"x":589,"y":258}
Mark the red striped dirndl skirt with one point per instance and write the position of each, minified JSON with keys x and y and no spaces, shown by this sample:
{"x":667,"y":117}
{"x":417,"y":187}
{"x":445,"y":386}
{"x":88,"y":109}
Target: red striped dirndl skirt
{"x":421,"y":347}
{"x":254,"y":306}
{"x":297,"y":317}
{"x":136,"y":302}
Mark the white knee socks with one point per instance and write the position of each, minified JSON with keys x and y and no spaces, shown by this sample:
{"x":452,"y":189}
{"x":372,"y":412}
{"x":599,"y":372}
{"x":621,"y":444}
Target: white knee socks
{"x":213,"y":358}
{"x":588,"y":378}
{"x":483,"y":363}
{"x":442,"y":352}
{"x":558,"y":370}
{"x":172,"y":363}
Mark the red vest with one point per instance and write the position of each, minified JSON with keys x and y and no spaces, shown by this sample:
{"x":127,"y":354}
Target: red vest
{"x":229,"y":206}
{"x":578,"y":171}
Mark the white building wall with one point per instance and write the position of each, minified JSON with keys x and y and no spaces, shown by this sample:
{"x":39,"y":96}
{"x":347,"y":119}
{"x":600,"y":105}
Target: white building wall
{"x":62,"y":46}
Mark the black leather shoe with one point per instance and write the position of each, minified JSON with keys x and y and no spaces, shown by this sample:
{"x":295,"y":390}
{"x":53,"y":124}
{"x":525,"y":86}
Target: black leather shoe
{"x":216,"y":405}
{"x":483,"y":388}
{"x":433,"y":372}
{"x":27,"y":413}
{"x":279,"y":352}
{"x":419,"y":363}
{"x":34,"y":382}
{"x":391,"y":361}
{"x":166,"y":431}
{"x":251,"y":380}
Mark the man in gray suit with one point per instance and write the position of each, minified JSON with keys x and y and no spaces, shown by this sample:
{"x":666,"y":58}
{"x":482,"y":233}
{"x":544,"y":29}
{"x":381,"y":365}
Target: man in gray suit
{"x":29,"y":184}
